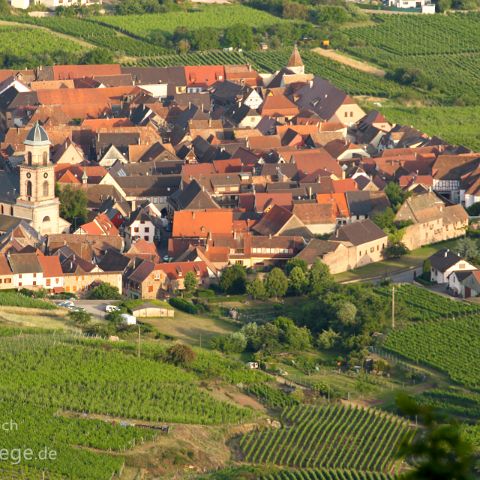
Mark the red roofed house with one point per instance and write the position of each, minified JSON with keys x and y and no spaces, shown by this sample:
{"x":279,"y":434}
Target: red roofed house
{"x":200,"y":223}
{"x":100,"y":225}
{"x":201,"y":77}
{"x":64,"y":72}
{"x":53,"y":277}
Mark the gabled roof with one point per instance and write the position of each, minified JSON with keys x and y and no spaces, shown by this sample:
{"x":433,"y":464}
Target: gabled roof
{"x":200,"y":223}
{"x":193,"y":197}
{"x":24,"y":263}
{"x":50,"y":265}
{"x":444,"y":259}
{"x":359,"y":233}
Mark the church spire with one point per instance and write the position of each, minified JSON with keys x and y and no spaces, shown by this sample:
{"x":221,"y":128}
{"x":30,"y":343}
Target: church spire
{"x":295,"y":59}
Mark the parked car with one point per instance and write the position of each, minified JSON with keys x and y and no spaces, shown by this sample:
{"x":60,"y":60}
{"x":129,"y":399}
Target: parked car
{"x":111,"y":308}
{"x":66,"y":304}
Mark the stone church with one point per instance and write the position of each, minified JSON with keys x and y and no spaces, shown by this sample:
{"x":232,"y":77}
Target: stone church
{"x":28,"y":191}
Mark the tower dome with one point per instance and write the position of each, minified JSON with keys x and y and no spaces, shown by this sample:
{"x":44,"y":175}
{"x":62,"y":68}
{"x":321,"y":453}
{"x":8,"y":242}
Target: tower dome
{"x":37,"y":136}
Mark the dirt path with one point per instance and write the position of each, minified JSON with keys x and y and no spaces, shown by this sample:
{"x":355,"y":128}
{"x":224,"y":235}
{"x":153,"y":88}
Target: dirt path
{"x":351,"y":62}
{"x":76,"y":40}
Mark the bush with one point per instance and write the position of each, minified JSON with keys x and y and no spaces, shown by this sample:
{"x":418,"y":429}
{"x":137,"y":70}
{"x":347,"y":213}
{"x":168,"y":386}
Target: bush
{"x":205,"y":293}
{"x":179,"y":354}
{"x":104,"y":291}
{"x":233,"y":280}
{"x":183,"y":305}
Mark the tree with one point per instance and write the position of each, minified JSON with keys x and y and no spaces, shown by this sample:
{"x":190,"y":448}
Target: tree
{"x":4,"y":7}
{"x":291,"y":336}
{"x":427,"y":270}
{"x":233,"y":279}
{"x":80,"y":317}
{"x":104,"y":291}
{"x":276,"y":283}
{"x":73,"y":205}
{"x":204,"y":39}
{"x":327,"y":339}
{"x":256,"y":289}
{"x":298,"y":281}
{"x":439,"y":451}
{"x":98,"y":56}
{"x":239,"y":36}
{"x":385,"y":220}
{"x":467,"y":248}
{"x":233,"y":343}
{"x":180,"y":354}
{"x":319,"y":277}
{"x":295,"y":262}
{"x":190,"y":283}
{"x":347,"y":313}
{"x":396,"y":195}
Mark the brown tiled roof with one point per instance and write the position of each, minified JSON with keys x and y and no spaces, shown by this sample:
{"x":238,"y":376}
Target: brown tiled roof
{"x":315,"y":213}
{"x":359,"y":233}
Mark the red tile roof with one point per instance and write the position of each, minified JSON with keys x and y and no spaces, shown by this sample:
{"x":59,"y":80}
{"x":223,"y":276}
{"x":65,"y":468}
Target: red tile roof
{"x":337,"y":199}
{"x":51,"y":266}
{"x":204,"y":75}
{"x":176,"y":270}
{"x":199,"y":223}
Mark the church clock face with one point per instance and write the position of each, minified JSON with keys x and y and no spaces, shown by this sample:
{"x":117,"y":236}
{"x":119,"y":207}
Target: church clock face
{"x":29,"y":175}
{"x":45,"y":175}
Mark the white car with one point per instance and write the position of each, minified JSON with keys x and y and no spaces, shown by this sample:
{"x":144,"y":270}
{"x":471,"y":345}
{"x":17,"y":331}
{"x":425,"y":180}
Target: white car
{"x":111,"y":308}
{"x":67,"y":304}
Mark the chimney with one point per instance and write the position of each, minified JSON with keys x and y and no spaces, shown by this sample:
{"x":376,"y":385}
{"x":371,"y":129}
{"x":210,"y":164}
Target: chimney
{"x":309,"y":193}
{"x":446,"y":252}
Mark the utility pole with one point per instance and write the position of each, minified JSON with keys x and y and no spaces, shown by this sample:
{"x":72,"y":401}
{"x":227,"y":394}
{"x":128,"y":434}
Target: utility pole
{"x":393,"y":307}
{"x":138,"y":344}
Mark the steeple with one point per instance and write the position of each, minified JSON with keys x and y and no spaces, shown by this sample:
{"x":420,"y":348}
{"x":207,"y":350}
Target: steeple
{"x":37,"y":137}
{"x":84,"y":176}
{"x":295,"y":62}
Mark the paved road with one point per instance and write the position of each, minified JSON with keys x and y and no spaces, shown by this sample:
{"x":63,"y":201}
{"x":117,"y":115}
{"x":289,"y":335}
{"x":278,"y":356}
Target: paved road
{"x":94,"y":307}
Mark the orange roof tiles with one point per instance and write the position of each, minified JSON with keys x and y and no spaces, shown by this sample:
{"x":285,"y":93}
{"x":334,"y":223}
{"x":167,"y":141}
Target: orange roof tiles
{"x":199,"y":223}
{"x":175,"y":270}
{"x":204,"y":75}
{"x":337,"y":199}
{"x":278,"y":106}
{"x":98,"y":123}
{"x":50,"y":265}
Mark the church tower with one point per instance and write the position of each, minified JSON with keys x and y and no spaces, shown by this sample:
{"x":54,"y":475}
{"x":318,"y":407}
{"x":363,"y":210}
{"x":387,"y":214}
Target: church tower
{"x":295,"y":62}
{"x":37,"y":200}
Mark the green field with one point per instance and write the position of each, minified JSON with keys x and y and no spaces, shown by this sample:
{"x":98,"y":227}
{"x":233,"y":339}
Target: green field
{"x":207,"y":16}
{"x":457,"y":125}
{"x":444,"y":48}
{"x":331,"y":436}
{"x":450,"y":345}
{"x":325,"y":474}
{"x":18,"y":41}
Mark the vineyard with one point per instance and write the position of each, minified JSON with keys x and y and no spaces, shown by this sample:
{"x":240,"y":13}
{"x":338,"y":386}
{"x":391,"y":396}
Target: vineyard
{"x":95,"y":34}
{"x":326,"y":475}
{"x":17,"y":41}
{"x":15,"y":299}
{"x":453,"y":402}
{"x":437,"y":45}
{"x":208,"y":16}
{"x":332,"y":436}
{"x":63,"y":375}
{"x":457,"y":125}
{"x":416,"y":303}
{"x":451,"y":346}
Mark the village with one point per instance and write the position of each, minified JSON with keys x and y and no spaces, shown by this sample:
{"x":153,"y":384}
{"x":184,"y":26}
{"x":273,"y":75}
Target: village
{"x":197,"y":168}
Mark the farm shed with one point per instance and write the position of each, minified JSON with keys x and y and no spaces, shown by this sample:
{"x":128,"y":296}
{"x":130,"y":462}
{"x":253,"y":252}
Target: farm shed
{"x":150,"y":311}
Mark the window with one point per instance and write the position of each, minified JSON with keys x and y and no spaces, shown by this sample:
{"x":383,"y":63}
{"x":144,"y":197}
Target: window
{"x":346,"y":114}
{"x":29,"y":188}
{"x":372,"y":249}
{"x":20,"y":276}
{"x":34,"y":283}
{"x":147,"y":229}
{"x":45,"y":188}
{"x":135,"y":229}
{"x":146,"y":238}
{"x":48,"y":282}
{"x":29,"y":158}
{"x":150,"y":288}
{"x":19,"y":284}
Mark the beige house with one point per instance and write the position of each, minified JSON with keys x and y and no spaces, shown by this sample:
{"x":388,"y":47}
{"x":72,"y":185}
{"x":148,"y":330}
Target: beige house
{"x":368,"y":241}
{"x":79,"y":283}
{"x":432,"y":220}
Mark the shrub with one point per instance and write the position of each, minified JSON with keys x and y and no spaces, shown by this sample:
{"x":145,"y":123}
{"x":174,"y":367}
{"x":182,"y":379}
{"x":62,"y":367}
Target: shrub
{"x":183,"y":305}
{"x":180,"y":354}
{"x":104,"y":291}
